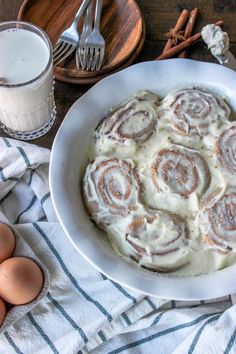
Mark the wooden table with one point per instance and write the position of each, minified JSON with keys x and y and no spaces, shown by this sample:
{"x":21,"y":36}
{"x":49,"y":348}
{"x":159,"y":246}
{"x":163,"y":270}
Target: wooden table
{"x":160,"y":16}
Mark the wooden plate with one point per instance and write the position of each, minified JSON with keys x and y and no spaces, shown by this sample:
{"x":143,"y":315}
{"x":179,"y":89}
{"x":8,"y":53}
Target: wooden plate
{"x":94,"y":79}
{"x":122,"y":26}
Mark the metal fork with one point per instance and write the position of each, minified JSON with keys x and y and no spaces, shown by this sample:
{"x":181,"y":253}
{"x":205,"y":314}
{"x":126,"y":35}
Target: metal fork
{"x":87,"y":29}
{"x":95,"y":45}
{"x":68,"y":40}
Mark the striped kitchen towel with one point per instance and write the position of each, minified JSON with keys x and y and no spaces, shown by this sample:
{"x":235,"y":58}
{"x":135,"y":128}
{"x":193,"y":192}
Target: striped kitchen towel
{"x":83,"y":311}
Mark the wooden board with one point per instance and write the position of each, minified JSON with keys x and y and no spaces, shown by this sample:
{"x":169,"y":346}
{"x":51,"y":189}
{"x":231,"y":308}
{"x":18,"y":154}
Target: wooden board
{"x":122,"y":26}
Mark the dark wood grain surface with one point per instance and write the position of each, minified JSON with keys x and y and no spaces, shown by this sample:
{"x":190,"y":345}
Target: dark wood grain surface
{"x":159,"y":16}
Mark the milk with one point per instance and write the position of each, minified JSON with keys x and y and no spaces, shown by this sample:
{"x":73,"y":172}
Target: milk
{"x":26,"y":72}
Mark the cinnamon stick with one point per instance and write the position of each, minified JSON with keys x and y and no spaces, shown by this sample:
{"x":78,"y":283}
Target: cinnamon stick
{"x":179,"y":24}
{"x":183,"y":45}
{"x":189,"y":28}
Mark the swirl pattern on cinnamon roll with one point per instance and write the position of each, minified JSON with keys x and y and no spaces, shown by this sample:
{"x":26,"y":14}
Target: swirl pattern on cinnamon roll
{"x":111,"y":189}
{"x":158,"y":240}
{"x":127,"y":126}
{"x":226,"y":149}
{"x":218,"y":224}
{"x":181,"y":171}
{"x":192,"y":112}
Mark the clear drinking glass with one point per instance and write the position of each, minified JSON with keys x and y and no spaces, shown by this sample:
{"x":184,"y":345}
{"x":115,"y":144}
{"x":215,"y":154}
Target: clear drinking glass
{"x":27,"y":108}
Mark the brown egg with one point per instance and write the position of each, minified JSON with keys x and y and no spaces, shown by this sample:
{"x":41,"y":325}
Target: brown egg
{"x":7,"y":242}
{"x":21,"y":280}
{"x":2,"y":311}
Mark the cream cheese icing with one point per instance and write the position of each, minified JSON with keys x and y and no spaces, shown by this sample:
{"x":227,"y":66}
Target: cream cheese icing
{"x":216,"y":40}
{"x":176,"y":178}
{"x":122,"y":130}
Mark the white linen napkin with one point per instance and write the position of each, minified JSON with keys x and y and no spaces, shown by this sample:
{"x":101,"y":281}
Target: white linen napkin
{"x":83,"y":311}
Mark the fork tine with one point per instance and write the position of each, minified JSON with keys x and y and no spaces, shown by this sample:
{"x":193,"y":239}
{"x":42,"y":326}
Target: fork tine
{"x":77,"y":58}
{"x":95,"y":59}
{"x":65,"y":49}
{"x":81,"y":56}
{"x":67,"y":54}
{"x":90,"y":58}
{"x":60,"y":49}
{"x":59,"y":42}
{"x":100,"y":59}
{"x":85,"y":58}
{"x":62,"y":52}
{"x":64,"y":55}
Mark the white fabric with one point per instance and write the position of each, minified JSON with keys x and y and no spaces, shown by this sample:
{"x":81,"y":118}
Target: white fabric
{"x":84,"y":312}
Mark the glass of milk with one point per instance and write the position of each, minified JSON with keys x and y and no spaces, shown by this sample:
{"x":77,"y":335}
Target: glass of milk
{"x":27,"y":108}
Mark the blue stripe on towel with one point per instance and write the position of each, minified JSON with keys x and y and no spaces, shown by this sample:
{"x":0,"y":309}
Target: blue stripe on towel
{"x":43,"y":218}
{"x":230,"y":343}
{"x":67,"y":317}
{"x":4,"y":179}
{"x":70,"y":276}
{"x":33,"y":200}
{"x":45,"y":198}
{"x":23,"y":154}
{"x":12,"y":343}
{"x":150,"y":303}
{"x":160,"y":334}
{"x":157,"y":319}
{"x":199,"y":332}
{"x":42,"y":333}
{"x":31,"y":176}
{"x":7,"y":142}
{"x":101,"y":335}
{"x":120,"y":289}
{"x":123,"y":291}
{"x":5,"y":197}
{"x":126,"y":318}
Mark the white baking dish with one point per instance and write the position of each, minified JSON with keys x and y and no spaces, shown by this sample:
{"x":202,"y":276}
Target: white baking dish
{"x":69,"y":157}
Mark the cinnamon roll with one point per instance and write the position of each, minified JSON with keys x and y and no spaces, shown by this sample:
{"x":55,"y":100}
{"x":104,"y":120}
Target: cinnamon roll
{"x":158,"y":240}
{"x":111,"y":189}
{"x":181,"y":171}
{"x":218,"y":224}
{"x":192,"y":112}
{"x":129,"y":125}
{"x":226,"y":149}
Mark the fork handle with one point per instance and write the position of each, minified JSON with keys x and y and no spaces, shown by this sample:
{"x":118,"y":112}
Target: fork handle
{"x":81,"y":11}
{"x":88,"y":18}
{"x":98,"y":14}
